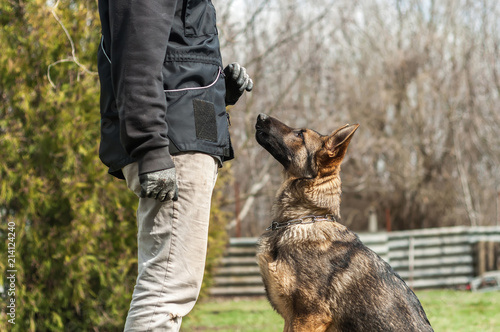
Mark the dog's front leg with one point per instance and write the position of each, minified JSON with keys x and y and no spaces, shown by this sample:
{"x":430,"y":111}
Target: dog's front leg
{"x":306,"y":324}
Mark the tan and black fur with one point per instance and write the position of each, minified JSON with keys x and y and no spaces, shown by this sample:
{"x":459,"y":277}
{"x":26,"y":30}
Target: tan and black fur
{"x":319,"y":276}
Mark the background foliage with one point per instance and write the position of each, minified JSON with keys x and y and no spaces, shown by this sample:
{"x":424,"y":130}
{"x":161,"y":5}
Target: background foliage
{"x":75,"y":230}
{"x":75,"y":224}
{"x":421,"y":77}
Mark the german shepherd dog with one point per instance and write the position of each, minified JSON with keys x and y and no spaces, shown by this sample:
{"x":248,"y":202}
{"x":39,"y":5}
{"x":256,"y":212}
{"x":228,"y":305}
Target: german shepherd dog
{"x":318,"y":275}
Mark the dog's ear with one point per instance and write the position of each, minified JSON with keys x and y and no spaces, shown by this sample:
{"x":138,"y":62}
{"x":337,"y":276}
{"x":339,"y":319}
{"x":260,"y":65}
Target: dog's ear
{"x":336,"y":144}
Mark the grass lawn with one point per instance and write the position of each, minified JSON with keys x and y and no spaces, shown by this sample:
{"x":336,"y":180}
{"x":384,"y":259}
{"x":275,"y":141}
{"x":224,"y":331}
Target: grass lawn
{"x":462,"y":311}
{"x":447,"y":311}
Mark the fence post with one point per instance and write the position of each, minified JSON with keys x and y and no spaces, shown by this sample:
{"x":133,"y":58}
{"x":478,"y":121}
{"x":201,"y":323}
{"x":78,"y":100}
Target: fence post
{"x":411,"y":259}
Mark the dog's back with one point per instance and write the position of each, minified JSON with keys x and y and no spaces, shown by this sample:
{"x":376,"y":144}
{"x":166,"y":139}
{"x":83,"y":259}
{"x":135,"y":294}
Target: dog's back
{"x":317,"y":273}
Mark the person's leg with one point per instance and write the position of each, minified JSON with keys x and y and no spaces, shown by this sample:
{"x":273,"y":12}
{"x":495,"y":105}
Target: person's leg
{"x":172,"y":244}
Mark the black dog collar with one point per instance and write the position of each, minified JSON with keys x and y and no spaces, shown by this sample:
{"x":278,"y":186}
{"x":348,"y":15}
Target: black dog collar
{"x":301,"y":221}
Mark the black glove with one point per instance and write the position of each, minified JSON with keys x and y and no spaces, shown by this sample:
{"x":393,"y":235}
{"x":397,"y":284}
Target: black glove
{"x":237,"y":81}
{"x":160,"y":185}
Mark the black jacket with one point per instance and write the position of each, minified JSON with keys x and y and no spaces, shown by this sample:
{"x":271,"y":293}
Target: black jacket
{"x":162,"y":86}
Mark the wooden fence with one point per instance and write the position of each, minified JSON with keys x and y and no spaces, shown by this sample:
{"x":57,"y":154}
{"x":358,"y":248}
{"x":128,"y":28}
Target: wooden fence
{"x":428,"y":258}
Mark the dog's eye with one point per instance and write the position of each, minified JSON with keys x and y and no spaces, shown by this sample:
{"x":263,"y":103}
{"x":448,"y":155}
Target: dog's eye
{"x":299,"y":134}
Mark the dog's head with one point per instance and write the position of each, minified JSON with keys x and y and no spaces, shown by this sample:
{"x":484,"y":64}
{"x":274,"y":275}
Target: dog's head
{"x":303,"y":152}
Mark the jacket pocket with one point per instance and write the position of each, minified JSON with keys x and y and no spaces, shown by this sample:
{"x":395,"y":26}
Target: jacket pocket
{"x":196,"y":116}
{"x":199,"y":19}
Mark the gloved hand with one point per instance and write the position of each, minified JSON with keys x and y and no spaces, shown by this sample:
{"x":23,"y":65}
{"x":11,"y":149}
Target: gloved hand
{"x":160,"y":185}
{"x":237,"y":81}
